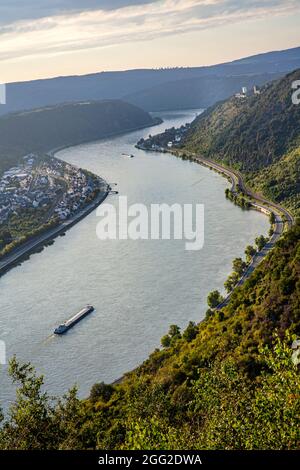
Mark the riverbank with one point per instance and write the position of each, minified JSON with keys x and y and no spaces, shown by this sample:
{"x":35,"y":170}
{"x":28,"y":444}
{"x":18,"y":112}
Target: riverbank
{"x":282,"y":216}
{"x":156,"y":121}
{"x":21,"y":253}
{"x":258,"y":202}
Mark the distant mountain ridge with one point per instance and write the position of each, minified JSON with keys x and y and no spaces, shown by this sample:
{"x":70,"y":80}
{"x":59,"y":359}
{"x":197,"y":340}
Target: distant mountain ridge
{"x":154,"y":89}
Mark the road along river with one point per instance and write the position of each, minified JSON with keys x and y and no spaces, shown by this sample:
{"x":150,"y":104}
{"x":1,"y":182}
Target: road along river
{"x":138,"y":288}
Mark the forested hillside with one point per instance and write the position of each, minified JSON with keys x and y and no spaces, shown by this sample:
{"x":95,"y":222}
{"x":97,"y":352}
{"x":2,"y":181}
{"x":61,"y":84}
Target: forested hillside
{"x":68,"y":124}
{"x":260,"y":135}
{"x":226,"y":383}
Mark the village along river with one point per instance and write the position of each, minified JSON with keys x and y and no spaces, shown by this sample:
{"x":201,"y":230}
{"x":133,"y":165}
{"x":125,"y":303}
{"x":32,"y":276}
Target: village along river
{"x":138,"y":288}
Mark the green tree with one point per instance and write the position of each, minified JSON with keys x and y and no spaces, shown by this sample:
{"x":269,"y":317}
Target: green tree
{"x":30,"y":423}
{"x":190,"y":332}
{"x":174,"y":331}
{"x":101,"y":391}
{"x":249,"y":252}
{"x":37,"y":421}
{"x":165,"y":341}
{"x":214,"y":298}
{"x":260,"y":242}
{"x":238,"y":266}
{"x":172,"y":336}
{"x":272,"y":218}
{"x":209,"y":313}
{"x":231,"y":282}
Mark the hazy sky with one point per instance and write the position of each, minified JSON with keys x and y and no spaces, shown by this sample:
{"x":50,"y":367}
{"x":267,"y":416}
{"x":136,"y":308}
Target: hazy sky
{"x":43,"y":38}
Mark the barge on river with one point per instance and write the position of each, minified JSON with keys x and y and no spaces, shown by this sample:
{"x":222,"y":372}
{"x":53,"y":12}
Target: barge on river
{"x":64,"y":327}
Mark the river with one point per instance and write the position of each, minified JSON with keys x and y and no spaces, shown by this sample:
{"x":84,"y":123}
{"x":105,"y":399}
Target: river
{"x":138,"y":288}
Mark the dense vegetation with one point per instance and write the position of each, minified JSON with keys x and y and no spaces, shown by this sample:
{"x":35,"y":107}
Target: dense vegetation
{"x":69,"y":124}
{"x":260,"y":135}
{"x":226,"y":383}
{"x":281,"y":180}
{"x":24,"y":228}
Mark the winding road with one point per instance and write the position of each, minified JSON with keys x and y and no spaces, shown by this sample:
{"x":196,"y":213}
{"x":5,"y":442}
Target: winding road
{"x":238,"y":182}
{"x":258,"y":202}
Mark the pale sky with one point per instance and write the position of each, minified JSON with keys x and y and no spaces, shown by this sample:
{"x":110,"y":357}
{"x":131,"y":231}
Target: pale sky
{"x":46,"y":38}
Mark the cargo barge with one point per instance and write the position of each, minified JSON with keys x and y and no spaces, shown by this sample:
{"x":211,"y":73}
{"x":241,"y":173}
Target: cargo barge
{"x":64,"y":327}
{"x":128,"y":155}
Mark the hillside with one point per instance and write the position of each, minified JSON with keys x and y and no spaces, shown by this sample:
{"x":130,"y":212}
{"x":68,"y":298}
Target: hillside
{"x":68,"y":124}
{"x":260,"y":135}
{"x":227,"y":383}
{"x":153,"y":89}
{"x":200,"y":92}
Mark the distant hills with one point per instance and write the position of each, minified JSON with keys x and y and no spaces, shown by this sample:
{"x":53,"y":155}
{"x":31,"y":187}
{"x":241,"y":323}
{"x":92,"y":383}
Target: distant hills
{"x":199,"y":92}
{"x":174,"y":88}
{"x":46,"y":128}
{"x":260,"y":135}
